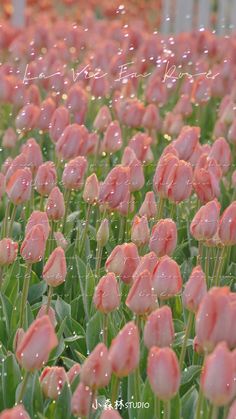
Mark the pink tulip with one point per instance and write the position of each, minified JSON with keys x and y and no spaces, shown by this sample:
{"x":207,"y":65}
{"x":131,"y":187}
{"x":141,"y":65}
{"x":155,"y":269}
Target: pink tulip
{"x":47,"y":109}
{"x":77,"y":103}
{"x":232,"y":411}
{"x":70,"y":143}
{"x":183,"y":106}
{"x":187,"y":141}
{"x":131,"y":261}
{"x":33,"y":154}
{"x":91,"y":189}
{"x":164,"y":167}
{"x":124,"y":352}
{"x":148,"y":207}
{"x":26,"y":119}
{"x":220,"y":151}
{"x":19,"y":162}
{"x":17,"y":412}
{"x":73,"y":174}
{"x":36,"y":345}
{"x":115,"y":187}
{"x":20,"y":333}
{"x":179,"y":182}
{"x":151,"y":118}
{"x":206,"y":221}
{"x":130,"y":160}
{"x":9,"y":138}
{"x":19,"y":186}
{"x":33,"y":246}
{"x":60,"y":240}
{"x":218,"y":376}
{"x":116,"y":261}
{"x":195,"y":289}
{"x":227,"y":228}
{"x":167,"y":280}
{"x":147,"y":262}
{"x":163,"y":372}
{"x":140,"y":231}
{"x":106,"y":296}
{"x":103,"y":119}
{"x":159,"y":328}
{"x":110,"y":414}
{"x":172,"y":124}
{"x":81,"y":400}
{"x":55,"y":207}
{"x":112,"y":141}
{"x":52,"y":381}
{"x":50,"y":312}
{"x":96,"y":370}
{"x":140,"y":144}
{"x":46,"y":178}
{"x":33,"y":95}
{"x":206,"y":180}
{"x":8,"y":251}
{"x":73,"y":372}
{"x":60,"y":120}
{"x":141,"y":298}
{"x":38,"y":217}
{"x":163,"y":237}
{"x":54,"y":272}
{"x":131,"y":112}
{"x":102,"y":235}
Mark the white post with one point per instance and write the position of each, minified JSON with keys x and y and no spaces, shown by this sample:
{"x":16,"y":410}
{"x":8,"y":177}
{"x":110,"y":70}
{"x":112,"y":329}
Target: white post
{"x":184,"y":16}
{"x":18,"y":15}
{"x":204,"y":9}
{"x":222,"y":18}
{"x":166,"y":17}
{"x":233,"y":16}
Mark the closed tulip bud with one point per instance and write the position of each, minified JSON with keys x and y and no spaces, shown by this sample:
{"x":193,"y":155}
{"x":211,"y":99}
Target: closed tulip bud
{"x":131,"y":112}
{"x":140,"y":231}
{"x":55,"y":207}
{"x":220,"y":151}
{"x":130,"y":160}
{"x":206,"y":181}
{"x":141,"y":298}
{"x":73,"y":174}
{"x":124,"y":352}
{"x":19,"y":162}
{"x":8,"y":251}
{"x":206,"y":221}
{"x":147,"y":262}
{"x":172,"y":124}
{"x":35,"y":347}
{"x":47,"y":109}
{"x":140,"y":144}
{"x":149,"y":206}
{"x":110,"y":414}
{"x":52,"y":381}
{"x":60,"y":120}
{"x":19,"y":186}
{"x":60,"y":240}
{"x":103,"y":119}
{"x":96,"y":370}
{"x":91,"y":189}
{"x":33,"y":154}
{"x":187,"y":141}
{"x":106,"y":296}
{"x":2,"y":185}
{"x":131,"y":261}
{"x":167,"y":280}
{"x":227,"y":228}
{"x":115,"y":261}
{"x":38,"y":217}
{"x":103,"y":233}
{"x":50,"y":312}
{"x":218,"y":376}
{"x":213,"y":318}
{"x":77,"y":102}
{"x":166,"y":164}
{"x":183,"y":106}
{"x":73,"y":372}
{"x":112,"y":141}
{"x":18,"y":338}
{"x":195,"y":289}
{"x":197,"y":347}
{"x":163,"y":239}
{"x":71,"y":141}
{"x":115,"y":187}
{"x":159,"y":328}
{"x":27,"y":117}
{"x":179,"y":182}
{"x":163,"y":372}
{"x":151,"y":118}
{"x":9,"y":138}
{"x":33,"y":246}
{"x":46,"y":178}
{"x":81,"y":401}
{"x":54,"y":272}
{"x":17,"y":412}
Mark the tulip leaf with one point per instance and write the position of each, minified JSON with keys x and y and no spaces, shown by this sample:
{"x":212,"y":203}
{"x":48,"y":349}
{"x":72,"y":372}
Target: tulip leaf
{"x":189,"y":403}
{"x":36,"y":291}
{"x":93,"y":331}
{"x":10,"y":376}
{"x":147,"y":399}
{"x":190,"y":373}
{"x":62,"y":309}
{"x":62,"y":409}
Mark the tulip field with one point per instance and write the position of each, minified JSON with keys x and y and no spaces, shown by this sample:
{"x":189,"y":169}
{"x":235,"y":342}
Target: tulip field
{"x":117,"y":215}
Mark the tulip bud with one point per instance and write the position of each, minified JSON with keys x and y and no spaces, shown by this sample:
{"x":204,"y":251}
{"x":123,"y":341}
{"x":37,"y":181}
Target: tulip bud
{"x":115,"y":187}
{"x":130,"y":160}
{"x":8,"y":251}
{"x":17,"y":412}
{"x":234,"y":179}
{"x":140,"y":231}
{"x":19,"y":186}
{"x":48,"y":311}
{"x":27,"y":117}
{"x":159,"y":328}
{"x":9,"y":138}
{"x":39,"y":340}
{"x":205,"y":223}
{"x":167,"y":280}
{"x":54,"y":272}
{"x":147,"y":262}
{"x":60,"y":240}
{"x":140,"y":144}
{"x":18,"y":338}
{"x":106,"y":296}
{"x":38,"y":217}
{"x":195,"y":289}
{"x":33,"y":154}
{"x":112,"y":141}
{"x":227,"y":228}
{"x":46,"y":178}
{"x":163,"y":372}
{"x":103,"y":119}
{"x":73,"y":174}
{"x":55,"y":207}
{"x":103,"y":233}
{"x":96,"y":370}
{"x":91,"y":189}
{"x":206,"y":180}
{"x":19,"y":162}
{"x":52,"y":381}
{"x":149,"y":206}
{"x":151,"y":118}
{"x":33,"y":247}
{"x":218,"y":376}
{"x":166,"y":164}
{"x":47,"y":109}
{"x":71,"y":141}
{"x":110,"y":414}
{"x":60,"y":120}
{"x":131,"y":261}
{"x":73,"y":372}
{"x":141,"y":298}
{"x":124,"y":352}
{"x":163,"y":237}
{"x":77,"y":102}
{"x":220,"y":151}
{"x":197,"y":347}
{"x":187,"y":141}
{"x":115,"y":262}
{"x":81,"y":401}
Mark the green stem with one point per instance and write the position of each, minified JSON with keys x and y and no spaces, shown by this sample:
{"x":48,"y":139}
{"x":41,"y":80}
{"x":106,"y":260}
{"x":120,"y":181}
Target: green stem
{"x":23,"y":388}
{"x":67,"y":205}
{"x":25,"y":291}
{"x":115,"y":390}
{"x":166,"y":414}
{"x":215,"y":412}
{"x":220,"y":263}
{"x":160,"y":208}
{"x":84,"y":297}
{"x":41,"y":203}
{"x":5,"y":221}
{"x":199,"y":405}
{"x":207,"y":264}
{"x":187,"y":333}
{"x":98,"y":261}
{"x":13,"y":216}
{"x":105,"y":328}
{"x":122,"y":229}
{"x":50,"y":292}
{"x":156,"y":407}
{"x":1,"y":276}
{"x":199,"y":256}
{"x":85,"y":231}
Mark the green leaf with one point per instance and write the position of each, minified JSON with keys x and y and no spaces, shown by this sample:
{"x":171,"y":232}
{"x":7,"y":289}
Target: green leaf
{"x":175,"y":405}
{"x":189,"y":403}
{"x":93,"y":331}
{"x":62,"y":309}
{"x":147,"y":409}
{"x":190,"y":373}
{"x":62,"y":409}
{"x":10,"y":376}
{"x":36,"y":291}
